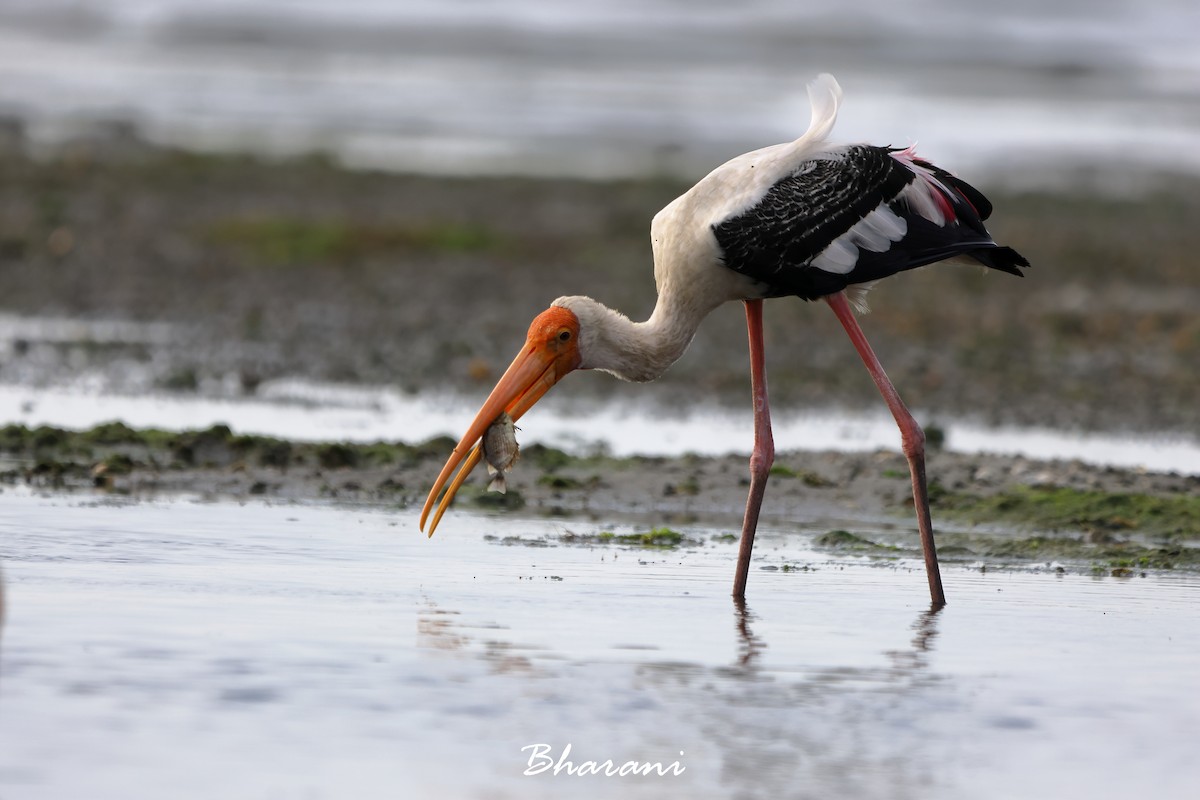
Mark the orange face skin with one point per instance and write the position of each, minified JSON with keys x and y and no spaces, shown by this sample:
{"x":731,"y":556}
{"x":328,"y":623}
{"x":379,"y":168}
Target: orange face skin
{"x":551,"y":351}
{"x":556,"y":331}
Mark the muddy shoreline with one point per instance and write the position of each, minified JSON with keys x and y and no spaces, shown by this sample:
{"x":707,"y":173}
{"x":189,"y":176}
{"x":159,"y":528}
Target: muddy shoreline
{"x":1006,"y":510}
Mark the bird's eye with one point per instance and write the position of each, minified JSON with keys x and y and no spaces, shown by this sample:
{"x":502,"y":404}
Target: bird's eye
{"x":564,"y":336}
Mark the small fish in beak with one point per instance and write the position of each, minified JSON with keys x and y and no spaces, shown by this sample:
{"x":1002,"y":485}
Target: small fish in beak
{"x":500,"y":451}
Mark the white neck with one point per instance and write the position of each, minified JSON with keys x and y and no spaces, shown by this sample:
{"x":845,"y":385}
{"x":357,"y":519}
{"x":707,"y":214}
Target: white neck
{"x":633,"y":351}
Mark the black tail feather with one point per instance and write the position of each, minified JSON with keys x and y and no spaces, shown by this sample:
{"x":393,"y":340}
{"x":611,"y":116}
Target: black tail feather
{"x":1004,"y":259}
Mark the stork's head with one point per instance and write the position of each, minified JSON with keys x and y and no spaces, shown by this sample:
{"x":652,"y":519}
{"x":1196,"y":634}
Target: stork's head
{"x":551,"y":350}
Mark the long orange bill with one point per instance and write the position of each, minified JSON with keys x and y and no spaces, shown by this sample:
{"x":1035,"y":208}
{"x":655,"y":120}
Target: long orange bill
{"x":530,"y":376}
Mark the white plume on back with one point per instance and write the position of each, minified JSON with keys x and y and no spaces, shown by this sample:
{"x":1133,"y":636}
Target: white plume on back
{"x":825,"y":95}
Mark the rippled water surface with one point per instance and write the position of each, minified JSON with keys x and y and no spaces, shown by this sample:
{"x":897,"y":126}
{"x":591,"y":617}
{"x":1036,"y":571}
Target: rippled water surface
{"x":181,"y":649}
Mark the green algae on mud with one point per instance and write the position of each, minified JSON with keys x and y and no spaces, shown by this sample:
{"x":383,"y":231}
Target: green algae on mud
{"x":661,"y":538}
{"x":658,"y":537}
{"x":208,"y":447}
{"x":1108,"y":530}
{"x":1008,"y":550}
{"x":58,"y":458}
{"x":807,"y":476}
{"x":1093,"y":513}
{"x":1092,"y":555}
{"x":845,"y":541}
{"x":1094,"y":530}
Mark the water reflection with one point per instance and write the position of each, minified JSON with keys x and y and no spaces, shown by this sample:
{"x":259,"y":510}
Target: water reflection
{"x":435,"y":629}
{"x":750,"y":647}
{"x":758,"y":718}
{"x":913,"y":660}
{"x":774,"y":726}
{"x":443,"y":630}
{"x":905,"y":663}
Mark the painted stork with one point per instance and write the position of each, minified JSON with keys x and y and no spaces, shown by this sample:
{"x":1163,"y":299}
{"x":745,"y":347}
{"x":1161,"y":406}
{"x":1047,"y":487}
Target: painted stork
{"x":810,"y":219}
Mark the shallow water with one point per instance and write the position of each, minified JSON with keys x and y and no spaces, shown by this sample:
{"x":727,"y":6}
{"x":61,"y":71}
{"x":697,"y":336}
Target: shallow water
{"x":198,"y":650}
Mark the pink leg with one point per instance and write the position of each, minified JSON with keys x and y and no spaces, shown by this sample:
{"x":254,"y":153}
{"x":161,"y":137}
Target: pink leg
{"x":912,"y":440}
{"x":763,"y":455}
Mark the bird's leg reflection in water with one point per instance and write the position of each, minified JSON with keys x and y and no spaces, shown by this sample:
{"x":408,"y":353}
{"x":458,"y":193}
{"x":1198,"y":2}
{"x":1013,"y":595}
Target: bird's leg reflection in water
{"x":915,"y":659}
{"x":926,"y":628}
{"x":905,"y":663}
{"x":750,"y":646}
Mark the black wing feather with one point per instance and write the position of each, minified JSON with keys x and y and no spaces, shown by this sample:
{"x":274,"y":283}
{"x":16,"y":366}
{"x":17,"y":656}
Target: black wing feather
{"x":776,"y":240}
